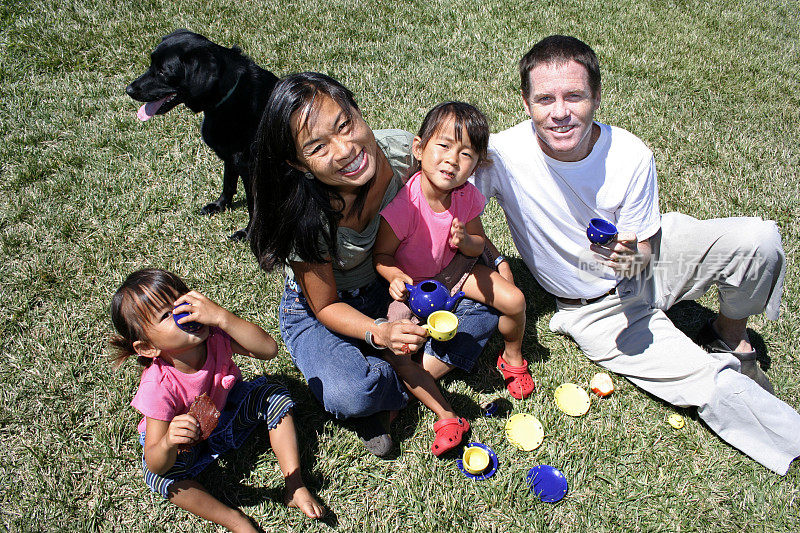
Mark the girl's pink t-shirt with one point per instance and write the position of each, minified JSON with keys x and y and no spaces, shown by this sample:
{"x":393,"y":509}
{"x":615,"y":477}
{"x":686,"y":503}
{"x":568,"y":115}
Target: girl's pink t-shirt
{"x":165,"y":392}
{"x":424,"y":235}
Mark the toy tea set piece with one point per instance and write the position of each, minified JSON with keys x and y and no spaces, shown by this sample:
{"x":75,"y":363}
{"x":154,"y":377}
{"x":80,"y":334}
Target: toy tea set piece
{"x":478,"y":462}
{"x":601,"y":231}
{"x":572,"y":399}
{"x":675,"y":420}
{"x":490,"y":408}
{"x":547,"y":483}
{"x":189,"y":327}
{"x":431,"y":301}
{"x":429,"y":296}
{"x":442,"y":325}
{"x":524,"y":431}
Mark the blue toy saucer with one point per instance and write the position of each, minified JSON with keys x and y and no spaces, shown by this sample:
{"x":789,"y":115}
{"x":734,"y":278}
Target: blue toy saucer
{"x":189,"y":327}
{"x":547,"y":483}
{"x":490,"y":470}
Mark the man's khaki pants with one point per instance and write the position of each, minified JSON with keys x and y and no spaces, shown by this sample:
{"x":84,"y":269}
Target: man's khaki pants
{"x":629,"y":334}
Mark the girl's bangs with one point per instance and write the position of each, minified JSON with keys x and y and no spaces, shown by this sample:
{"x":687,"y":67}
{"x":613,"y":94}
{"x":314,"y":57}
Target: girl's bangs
{"x":146,"y":303}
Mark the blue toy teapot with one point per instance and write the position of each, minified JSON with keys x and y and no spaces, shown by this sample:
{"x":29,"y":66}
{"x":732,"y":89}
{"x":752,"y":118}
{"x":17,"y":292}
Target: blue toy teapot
{"x":428,"y":296}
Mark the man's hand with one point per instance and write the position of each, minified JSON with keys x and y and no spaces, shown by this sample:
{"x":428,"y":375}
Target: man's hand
{"x":625,"y":255}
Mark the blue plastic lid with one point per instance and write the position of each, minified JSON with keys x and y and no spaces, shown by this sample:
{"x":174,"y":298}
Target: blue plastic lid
{"x":547,"y":483}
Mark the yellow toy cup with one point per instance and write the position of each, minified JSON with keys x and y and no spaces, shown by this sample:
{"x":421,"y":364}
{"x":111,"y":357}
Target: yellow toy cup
{"x":442,"y":325}
{"x":475,"y":460}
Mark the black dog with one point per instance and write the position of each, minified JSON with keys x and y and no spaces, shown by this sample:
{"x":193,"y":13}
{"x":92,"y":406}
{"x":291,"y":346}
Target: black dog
{"x":223,"y":83}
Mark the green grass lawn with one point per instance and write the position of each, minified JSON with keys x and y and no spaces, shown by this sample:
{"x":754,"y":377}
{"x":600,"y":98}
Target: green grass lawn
{"x":90,"y":194}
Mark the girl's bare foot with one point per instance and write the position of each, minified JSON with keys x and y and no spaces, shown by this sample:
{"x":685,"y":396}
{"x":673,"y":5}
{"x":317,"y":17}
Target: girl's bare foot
{"x":243,"y":525}
{"x":300,"y":498}
{"x":513,"y":359}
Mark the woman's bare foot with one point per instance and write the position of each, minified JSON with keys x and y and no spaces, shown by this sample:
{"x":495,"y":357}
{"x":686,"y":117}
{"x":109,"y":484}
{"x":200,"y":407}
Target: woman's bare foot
{"x":300,"y":498}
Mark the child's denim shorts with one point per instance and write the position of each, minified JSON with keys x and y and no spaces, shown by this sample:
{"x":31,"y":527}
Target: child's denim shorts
{"x":249,"y":404}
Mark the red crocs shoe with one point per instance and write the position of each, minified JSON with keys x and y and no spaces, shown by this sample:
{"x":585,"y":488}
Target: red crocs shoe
{"x":449,"y":434}
{"x":518,"y":380}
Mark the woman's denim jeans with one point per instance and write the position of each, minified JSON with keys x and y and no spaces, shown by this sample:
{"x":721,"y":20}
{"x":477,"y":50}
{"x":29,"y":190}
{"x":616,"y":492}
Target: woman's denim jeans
{"x":345,"y":374}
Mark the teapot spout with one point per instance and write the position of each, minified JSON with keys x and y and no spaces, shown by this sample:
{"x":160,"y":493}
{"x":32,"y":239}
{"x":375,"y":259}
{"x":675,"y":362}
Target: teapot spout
{"x":453,"y":300}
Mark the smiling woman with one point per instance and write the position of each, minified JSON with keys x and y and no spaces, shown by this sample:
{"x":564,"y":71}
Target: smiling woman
{"x":322,"y":176}
{"x":339,"y":149}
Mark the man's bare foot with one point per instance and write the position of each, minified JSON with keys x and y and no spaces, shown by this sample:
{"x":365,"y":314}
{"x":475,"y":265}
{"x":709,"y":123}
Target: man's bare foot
{"x":300,"y":498}
{"x":733,"y":333}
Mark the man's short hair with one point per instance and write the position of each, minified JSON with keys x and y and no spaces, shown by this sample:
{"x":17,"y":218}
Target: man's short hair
{"x":560,"y":49}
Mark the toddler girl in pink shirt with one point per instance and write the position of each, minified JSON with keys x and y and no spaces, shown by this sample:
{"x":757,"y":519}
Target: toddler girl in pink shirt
{"x":432,"y":229}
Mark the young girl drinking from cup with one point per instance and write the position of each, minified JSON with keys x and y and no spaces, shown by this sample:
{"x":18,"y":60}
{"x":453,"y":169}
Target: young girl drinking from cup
{"x":432,"y":229}
{"x":185,"y":358}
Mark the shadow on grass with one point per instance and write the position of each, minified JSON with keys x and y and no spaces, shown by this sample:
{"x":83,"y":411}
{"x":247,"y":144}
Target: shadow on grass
{"x":236,"y":204}
{"x":689,"y":317}
{"x":405,"y":425}
{"x":407,"y":421}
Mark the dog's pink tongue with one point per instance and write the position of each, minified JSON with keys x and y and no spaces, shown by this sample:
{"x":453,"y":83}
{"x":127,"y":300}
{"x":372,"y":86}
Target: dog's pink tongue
{"x":149,"y":109}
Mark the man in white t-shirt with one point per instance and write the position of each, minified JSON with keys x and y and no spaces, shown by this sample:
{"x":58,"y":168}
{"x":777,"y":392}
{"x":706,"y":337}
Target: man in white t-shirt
{"x":555,"y":172}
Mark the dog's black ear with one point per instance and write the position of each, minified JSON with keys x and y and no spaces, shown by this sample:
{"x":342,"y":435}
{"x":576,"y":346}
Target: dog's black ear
{"x":201,"y":76}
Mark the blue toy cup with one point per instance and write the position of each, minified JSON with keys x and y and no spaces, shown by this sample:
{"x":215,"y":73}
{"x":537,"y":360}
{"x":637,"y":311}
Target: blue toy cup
{"x":189,"y":327}
{"x":490,"y":408}
{"x":601,"y":231}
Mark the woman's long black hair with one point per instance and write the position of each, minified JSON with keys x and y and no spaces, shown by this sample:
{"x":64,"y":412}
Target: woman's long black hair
{"x":293,"y":214}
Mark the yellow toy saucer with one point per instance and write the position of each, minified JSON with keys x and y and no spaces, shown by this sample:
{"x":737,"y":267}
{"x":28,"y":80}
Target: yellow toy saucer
{"x":524,"y":431}
{"x":675,"y":420}
{"x":572,"y":399}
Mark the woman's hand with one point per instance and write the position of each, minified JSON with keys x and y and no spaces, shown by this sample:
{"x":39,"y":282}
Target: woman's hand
{"x":402,"y":337}
{"x":397,"y":287}
{"x":201,"y":309}
{"x":183,"y":429}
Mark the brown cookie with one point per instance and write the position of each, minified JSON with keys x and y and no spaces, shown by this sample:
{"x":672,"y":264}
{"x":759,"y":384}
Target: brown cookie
{"x":207,"y":416}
